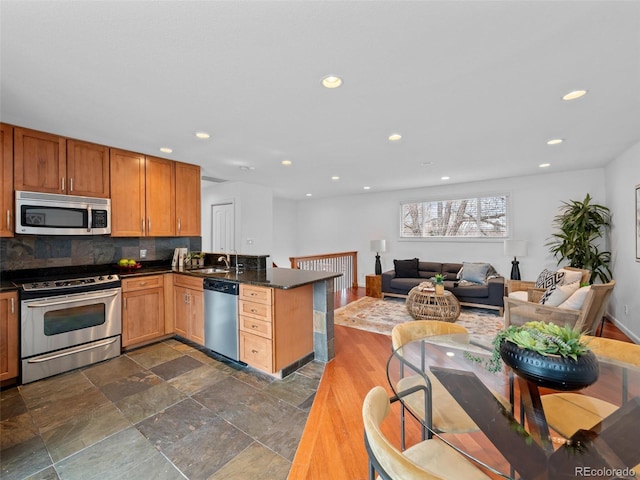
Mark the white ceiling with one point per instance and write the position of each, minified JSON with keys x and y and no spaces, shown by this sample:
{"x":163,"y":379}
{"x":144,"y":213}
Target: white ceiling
{"x":474,"y":87}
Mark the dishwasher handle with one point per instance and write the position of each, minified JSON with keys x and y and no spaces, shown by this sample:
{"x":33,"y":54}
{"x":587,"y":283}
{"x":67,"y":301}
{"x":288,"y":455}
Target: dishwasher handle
{"x":221,"y":286}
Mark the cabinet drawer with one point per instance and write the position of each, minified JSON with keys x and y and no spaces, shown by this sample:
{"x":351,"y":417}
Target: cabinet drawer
{"x":256,"y":351}
{"x":141,"y":283}
{"x":258,"y":327}
{"x":188,"y":281}
{"x":255,"y":310}
{"x":256,"y":294}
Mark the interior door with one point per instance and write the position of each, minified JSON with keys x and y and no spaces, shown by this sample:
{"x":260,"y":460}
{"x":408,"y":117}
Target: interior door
{"x":222,"y":228}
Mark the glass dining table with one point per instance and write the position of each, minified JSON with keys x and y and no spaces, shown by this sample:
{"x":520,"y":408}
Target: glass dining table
{"x":510,"y":437}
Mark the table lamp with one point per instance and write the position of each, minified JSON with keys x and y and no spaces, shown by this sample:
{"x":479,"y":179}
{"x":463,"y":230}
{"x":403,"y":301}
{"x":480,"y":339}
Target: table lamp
{"x":515,"y":248}
{"x":378,"y":246}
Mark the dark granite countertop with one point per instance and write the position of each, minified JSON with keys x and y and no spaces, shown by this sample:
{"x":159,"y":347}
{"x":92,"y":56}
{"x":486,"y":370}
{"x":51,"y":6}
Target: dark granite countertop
{"x":284,"y":278}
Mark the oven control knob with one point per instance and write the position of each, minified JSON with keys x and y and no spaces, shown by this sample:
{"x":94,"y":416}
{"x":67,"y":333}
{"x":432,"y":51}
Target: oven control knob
{"x":110,"y":277}
{"x":100,"y":277}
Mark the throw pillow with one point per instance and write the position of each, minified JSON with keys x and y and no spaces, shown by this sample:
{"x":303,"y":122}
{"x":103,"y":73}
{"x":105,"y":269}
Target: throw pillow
{"x":571,"y":276}
{"x":475,"y":272}
{"x":576,"y":300}
{"x":548,"y":278}
{"x":557,"y":294}
{"x":407,"y":268}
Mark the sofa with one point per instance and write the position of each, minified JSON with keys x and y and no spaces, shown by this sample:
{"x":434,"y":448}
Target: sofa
{"x":473,"y":284}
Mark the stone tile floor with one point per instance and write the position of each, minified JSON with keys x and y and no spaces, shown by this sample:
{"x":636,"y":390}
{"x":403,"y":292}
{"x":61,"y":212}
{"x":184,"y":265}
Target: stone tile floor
{"x":166,"y":411}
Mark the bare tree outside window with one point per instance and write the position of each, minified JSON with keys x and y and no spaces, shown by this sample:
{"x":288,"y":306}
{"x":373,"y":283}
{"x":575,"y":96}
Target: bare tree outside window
{"x":477,"y":217}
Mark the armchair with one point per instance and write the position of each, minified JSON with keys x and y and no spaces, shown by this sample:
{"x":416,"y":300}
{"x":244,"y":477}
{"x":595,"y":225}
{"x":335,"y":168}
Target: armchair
{"x":533,"y":294}
{"x":518,"y":312}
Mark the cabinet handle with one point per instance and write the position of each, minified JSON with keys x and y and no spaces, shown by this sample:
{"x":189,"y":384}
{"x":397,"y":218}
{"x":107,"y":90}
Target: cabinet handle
{"x":71,"y":184}
{"x":142,"y":284}
{"x":254,"y":351}
{"x":142,"y":225}
{"x":253,"y":294}
{"x":13,"y":307}
{"x":179,"y":227}
{"x":124,"y":303}
{"x":253,"y":310}
{"x":9,"y":220}
{"x":62,"y":184}
{"x":254,"y":326}
{"x":149,"y":225}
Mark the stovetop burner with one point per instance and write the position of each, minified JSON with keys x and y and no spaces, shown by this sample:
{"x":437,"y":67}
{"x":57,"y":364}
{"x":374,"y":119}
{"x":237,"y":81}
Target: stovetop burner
{"x":71,"y":283}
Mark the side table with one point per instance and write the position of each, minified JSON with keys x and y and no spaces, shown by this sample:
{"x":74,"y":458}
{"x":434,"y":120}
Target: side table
{"x":373,"y":286}
{"x":427,"y":305}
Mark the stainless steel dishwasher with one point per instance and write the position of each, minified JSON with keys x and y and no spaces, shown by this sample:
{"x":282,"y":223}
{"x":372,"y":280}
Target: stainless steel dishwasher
{"x":221,"y":317}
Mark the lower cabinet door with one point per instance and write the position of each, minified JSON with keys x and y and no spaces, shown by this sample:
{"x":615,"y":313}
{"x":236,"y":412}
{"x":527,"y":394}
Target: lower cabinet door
{"x":142,"y":316}
{"x":256,"y":351}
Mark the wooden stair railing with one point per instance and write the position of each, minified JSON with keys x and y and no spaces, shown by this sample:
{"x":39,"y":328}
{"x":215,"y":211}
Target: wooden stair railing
{"x":344,"y":262}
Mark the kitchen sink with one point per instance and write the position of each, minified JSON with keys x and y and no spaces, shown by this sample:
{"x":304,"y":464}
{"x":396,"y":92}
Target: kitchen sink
{"x":210,"y":270}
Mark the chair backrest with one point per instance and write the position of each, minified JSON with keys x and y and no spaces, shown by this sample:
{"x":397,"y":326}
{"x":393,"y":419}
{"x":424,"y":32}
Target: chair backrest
{"x":594,"y":307}
{"x":389,"y":461}
{"x":406,"y":332}
{"x":607,"y":347}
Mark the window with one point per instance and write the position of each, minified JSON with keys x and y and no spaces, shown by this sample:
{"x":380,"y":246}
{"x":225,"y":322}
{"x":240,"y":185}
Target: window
{"x":477,"y":217}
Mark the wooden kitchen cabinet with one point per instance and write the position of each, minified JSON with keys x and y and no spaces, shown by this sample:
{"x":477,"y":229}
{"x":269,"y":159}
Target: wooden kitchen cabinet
{"x":7,"y":218}
{"x":143,"y":315}
{"x":188,"y":302}
{"x":142,"y":195}
{"x":48,"y":163}
{"x":276,"y":326}
{"x":187,"y":200}
{"x":9,"y":360}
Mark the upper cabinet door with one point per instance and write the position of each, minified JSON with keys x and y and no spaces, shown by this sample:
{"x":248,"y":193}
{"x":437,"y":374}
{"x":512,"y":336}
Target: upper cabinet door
{"x":160,"y":197}
{"x":127,"y":194}
{"x":87,"y":169}
{"x":6,"y":187}
{"x":187,"y":200}
{"x":39,"y":161}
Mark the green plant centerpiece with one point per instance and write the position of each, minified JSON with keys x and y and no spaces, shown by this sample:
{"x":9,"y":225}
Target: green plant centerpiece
{"x":438,"y":278}
{"x":581,"y":225}
{"x":546,"y":354}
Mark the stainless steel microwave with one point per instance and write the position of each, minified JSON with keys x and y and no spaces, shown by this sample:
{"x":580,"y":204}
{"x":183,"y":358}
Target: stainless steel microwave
{"x":53,"y":214}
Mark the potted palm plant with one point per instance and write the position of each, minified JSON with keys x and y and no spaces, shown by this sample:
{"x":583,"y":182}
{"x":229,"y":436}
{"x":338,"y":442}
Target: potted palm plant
{"x":547,"y":354}
{"x":581,"y":225}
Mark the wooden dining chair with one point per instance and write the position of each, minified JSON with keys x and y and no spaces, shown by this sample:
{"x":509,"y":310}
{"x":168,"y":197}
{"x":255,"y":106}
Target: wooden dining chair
{"x":430,"y":459}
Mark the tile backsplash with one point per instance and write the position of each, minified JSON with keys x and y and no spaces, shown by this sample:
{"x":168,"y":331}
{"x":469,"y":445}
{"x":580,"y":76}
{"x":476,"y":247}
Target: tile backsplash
{"x":41,"y":251}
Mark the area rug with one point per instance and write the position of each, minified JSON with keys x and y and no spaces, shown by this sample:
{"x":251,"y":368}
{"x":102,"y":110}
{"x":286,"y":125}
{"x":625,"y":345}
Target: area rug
{"x":381,"y":315}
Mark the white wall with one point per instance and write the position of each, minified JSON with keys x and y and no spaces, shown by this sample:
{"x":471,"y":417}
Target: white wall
{"x":622,"y":175}
{"x":285,"y":231}
{"x":253,"y":215}
{"x":349,"y":223}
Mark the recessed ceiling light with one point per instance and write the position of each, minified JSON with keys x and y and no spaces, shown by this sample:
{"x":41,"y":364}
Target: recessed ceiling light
{"x":366,"y":188}
{"x":394,"y":137}
{"x":331,"y":81}
{"x":575,"y":94}
{"x":203,"y":135}
{"x":246,"y":168}
{"x":426,"y":164}
{"x":335,"y":177}
{"x":286,"y":162}
{"x":555,"y":141}
{"x":544,"y":165}
{"x":166,"y":150}
{"x":445,"y":178}
{"x":309,"y":194}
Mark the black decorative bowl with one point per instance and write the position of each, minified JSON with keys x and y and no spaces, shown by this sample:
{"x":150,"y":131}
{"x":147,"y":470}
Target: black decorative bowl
{"x":551,"y":371}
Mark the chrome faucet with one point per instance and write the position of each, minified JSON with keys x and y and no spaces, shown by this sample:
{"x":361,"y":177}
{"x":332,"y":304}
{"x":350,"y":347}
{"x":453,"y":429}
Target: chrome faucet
{"x":225,"y":259}
{"x":237,"y":264}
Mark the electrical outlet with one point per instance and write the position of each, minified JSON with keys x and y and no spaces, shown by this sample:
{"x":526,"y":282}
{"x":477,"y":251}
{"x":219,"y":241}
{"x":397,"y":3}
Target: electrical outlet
{"x":143,"y":253}
{"x":626,"y":309}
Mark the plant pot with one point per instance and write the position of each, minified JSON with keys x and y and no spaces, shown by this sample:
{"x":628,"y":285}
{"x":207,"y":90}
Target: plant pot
{"x":551,"y":371}
{"x":439,"y":289}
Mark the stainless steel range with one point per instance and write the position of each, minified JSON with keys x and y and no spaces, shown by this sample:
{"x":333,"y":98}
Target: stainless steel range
{"x":68,"y":323}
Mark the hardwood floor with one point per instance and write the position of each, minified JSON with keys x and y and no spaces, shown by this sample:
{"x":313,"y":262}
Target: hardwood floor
{"x":332,"y":444}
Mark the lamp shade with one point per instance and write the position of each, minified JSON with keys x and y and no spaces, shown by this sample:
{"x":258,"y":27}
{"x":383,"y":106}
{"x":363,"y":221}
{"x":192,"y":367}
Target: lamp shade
{"x":378,"y":245}
{"x":515,"y":248}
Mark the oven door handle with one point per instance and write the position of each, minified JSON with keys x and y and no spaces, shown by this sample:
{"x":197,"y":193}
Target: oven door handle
{"x":82,"y":348}
{"x":80,"y":297}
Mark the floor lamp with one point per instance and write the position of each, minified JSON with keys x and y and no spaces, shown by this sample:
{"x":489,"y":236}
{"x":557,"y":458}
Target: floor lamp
{"x":378,"y":246}
{"x":515,"y":248}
